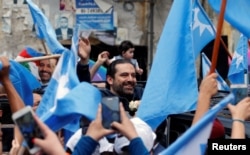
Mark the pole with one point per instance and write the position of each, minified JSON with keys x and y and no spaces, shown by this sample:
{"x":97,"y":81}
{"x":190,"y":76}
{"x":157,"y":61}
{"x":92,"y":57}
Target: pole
{"x":39,"y":58}
{"x":218,"y":34}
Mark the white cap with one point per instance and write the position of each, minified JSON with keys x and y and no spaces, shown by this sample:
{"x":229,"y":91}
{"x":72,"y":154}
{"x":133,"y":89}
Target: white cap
{"x":104,"y":144}
{"x":143,"y":130}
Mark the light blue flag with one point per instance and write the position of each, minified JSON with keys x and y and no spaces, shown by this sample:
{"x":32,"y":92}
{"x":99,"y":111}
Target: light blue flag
{"x":203,"y":28}
{"x":82,"y":100}
{"x":23,"y":81}
{"x":236,"y":13}
{"x":44,"y":29}
{"x":239,"y":65}
{"x":65,"y":99}
{"x":194,"y":140}
{"x":172,"y":84}
{"x":63,"y":80}
{"x":206,"y":66}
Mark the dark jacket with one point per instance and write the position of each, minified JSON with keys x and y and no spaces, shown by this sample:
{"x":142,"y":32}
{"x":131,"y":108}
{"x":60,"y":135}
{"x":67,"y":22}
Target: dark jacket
{"x":59,"y":33}
{"x":138,"y":91}
{"x":84,"y":75}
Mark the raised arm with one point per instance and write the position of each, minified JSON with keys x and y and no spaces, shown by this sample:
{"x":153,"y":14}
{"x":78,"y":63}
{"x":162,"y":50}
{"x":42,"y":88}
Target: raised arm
{"x":15,"y":101}
{"x":208,"y":88}
{"x":84,"y":50}
{"x":102,"y":58}
{"x":240,"y":112}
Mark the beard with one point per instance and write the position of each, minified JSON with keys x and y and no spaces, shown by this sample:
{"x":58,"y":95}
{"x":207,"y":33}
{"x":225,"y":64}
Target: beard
{"x":126,"y":89}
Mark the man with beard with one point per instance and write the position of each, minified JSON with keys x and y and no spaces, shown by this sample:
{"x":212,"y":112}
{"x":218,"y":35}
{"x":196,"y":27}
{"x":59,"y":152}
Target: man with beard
{"x":45,"y":70}
{"x":121,"y":82}
{"x":120,"y":77}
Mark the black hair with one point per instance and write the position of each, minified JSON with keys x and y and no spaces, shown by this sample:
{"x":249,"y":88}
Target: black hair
{"x":111,"y":70}
{"x":124,"y":46}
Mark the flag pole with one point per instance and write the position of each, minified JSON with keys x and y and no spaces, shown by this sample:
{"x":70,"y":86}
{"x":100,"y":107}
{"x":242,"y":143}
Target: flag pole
{"x":218,"y":34}
{"x":45,"y":49}
{"x":38,"y":58}
{"x":225,"y":47}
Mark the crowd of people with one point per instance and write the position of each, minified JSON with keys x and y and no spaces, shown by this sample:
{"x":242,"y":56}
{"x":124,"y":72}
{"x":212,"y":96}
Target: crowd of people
{"x":130,"y":136}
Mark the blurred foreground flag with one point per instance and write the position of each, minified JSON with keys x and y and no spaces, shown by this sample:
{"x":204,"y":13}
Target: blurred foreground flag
{"x":23,"y":81}
{"x":44,"y":29}
{"x":172,"y":84}
{"x":203,"y":29}
{"x":236,"y":13}
{"x":206,"y":66}
{"x":239,"y":65}
{"x":66,"y":113}
{"x":65,"y":99}
{"x":194,"y":140}
{"x":61,"y":82}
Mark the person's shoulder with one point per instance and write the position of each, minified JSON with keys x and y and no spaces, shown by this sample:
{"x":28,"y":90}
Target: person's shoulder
{"x":106,"y":92}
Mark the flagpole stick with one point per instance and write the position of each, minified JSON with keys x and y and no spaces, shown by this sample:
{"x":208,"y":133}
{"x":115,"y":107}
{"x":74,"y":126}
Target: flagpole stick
{"x":225,"y":47}
{"x":44,"y":47}
{"x":39,"y":58}
{"x":218,"y":36}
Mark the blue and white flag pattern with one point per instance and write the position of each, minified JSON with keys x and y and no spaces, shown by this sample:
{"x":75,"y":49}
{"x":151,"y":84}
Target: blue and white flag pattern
{"x":174,"y":89}
{"x":44,"y":29}
{"x":23,"y":81}
{"x":66,"y":99}
{"x":203,"y":28}
{"x":239,"y":65}
{"x":206,"y":66}
{"x":236,"y":13}
{"x":194,"y":140}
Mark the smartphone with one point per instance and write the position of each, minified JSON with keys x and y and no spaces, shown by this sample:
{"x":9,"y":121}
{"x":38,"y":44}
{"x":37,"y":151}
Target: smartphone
{"x":110,"y":111}
{"x":240,"y":91}
{"x":28,"y":127}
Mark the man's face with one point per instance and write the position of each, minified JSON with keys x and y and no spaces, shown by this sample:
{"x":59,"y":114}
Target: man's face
{"x":64,"y":23}
{"x":124,"y":80}
{"x":46,"y":68}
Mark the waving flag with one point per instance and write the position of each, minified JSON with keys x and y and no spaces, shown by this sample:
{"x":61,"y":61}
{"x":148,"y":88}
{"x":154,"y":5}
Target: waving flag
{"x":194,"y":140}
{"x":64,"y":79}
{"x":23,"y":81}
{"x":206,"y":66}
{"x":173,"y":89}
{"x":60,"y":84}
{"x":203,"y":29}
{"x":239,"y":65}
{"x":61,"y":105}
{"x":29,"y":52}
{"x":44,"y":29}
{"x":32,"y":66}
{"x":236,"y":13}
{"x":66,"y":112}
